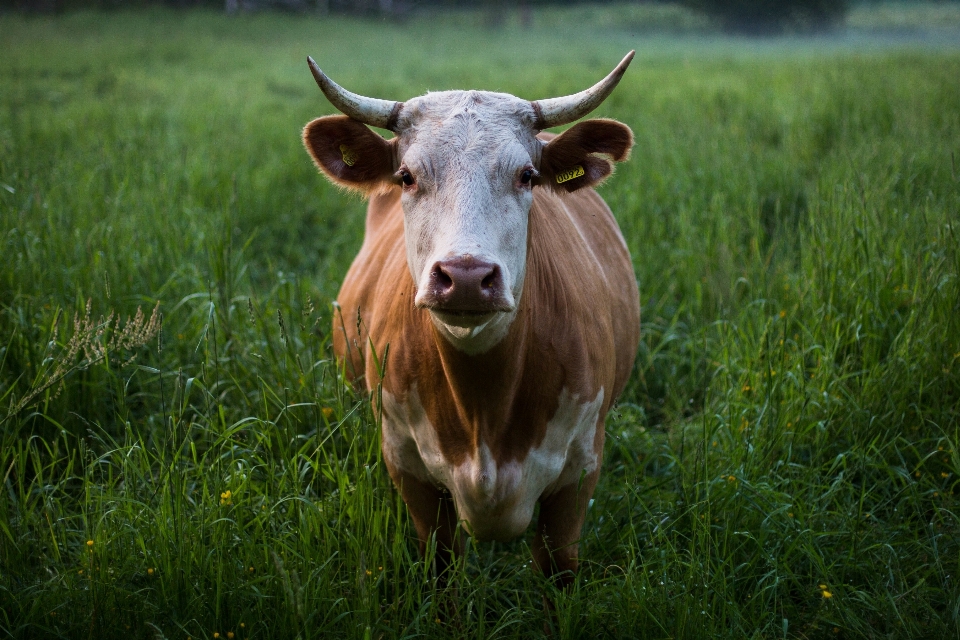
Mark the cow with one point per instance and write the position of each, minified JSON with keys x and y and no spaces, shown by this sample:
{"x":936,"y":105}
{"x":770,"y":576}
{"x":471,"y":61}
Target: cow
{"x":492,"y":311}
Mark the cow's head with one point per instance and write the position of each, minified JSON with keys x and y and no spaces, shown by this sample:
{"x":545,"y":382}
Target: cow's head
{"x":467,"y":163}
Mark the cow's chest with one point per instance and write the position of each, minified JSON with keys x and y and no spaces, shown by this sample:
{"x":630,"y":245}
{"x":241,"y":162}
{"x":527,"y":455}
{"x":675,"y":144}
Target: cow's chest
{"x":495,"y":500}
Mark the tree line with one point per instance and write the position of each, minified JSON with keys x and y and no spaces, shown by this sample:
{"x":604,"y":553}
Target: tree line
{"x":739,"y":16}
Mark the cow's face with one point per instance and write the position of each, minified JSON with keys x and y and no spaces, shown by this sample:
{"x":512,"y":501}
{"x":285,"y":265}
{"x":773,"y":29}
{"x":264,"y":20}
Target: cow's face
{"x":466,"y":164}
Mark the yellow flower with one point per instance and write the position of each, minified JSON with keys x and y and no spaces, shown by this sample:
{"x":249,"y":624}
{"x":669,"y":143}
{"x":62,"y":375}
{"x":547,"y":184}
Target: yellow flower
{"x":216,"y":634}
{"x":229,"y":634}
{"x":823,"y":586}
{"x":327,"y":413}
{"x":369,"y":573}
{"x":150,"y":571}
{"x":242,"y":625}
{"x":944,"y":474}
{"x":827,"y":594}
{"x":89,"y":543}
{"x":783,"y":314}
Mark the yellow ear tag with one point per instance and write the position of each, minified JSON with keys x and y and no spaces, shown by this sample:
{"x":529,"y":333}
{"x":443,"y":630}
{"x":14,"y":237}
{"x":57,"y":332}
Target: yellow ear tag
{"x":349,"y":157}
{"x":567,"y":176}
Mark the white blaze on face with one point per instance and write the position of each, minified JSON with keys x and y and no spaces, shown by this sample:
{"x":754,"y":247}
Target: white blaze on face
{"x":466,"y":151}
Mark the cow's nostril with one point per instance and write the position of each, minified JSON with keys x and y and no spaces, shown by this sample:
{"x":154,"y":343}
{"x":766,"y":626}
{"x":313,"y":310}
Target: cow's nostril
{"x":441,"y":278}
{"x":490,"y":281}
{"x":466,"y":285}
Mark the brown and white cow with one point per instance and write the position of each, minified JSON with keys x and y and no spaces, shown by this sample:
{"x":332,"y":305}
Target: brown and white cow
{"x":502,"y":285}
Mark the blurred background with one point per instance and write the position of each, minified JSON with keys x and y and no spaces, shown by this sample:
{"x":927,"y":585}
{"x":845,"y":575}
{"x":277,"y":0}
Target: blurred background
{"x":750,"y":17}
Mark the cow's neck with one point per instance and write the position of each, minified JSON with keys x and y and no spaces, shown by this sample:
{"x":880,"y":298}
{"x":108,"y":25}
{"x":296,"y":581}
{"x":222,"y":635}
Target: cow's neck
{"x":483,"y":386}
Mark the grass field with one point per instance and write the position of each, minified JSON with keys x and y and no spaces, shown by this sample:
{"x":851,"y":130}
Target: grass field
{"x":783,"y":463}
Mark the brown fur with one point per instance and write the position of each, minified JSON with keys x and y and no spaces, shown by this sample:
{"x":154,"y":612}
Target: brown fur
{"x":374,"y":163}
{"x":577,"y":328}
{"x":583,"y":145}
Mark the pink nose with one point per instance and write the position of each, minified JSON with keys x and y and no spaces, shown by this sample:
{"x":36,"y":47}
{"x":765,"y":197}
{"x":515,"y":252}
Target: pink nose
{"x":466,"y":285}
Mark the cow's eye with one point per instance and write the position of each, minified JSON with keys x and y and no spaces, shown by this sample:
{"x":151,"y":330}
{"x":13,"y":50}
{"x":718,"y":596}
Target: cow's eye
{"x":406,"y":177}
{"x":526,"y":176}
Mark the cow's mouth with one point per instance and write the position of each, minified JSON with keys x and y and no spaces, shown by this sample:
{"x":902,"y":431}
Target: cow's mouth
{"x":464,"y":317}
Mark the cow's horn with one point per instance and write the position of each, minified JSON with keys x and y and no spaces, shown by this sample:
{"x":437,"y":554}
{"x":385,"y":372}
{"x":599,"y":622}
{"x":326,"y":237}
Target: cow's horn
{"x":554,"y":112}
{"x":372,"y":111}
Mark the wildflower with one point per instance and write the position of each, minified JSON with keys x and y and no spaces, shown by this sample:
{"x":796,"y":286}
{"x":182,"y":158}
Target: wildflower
{"x":731,"y":478}
{"x":230,"y":634}
{"x":89,"y":543}
{"x":327,"y":413}
{"x":783,"y":314}
{"x":369,"y":573}
{"x":822,"y":586}
{"x":944,"y":474}
{"x":790,"y":514}
{"x":745,"y":388}
{"x":250,"y":569}
{"x":150,"y":571}
{"x":827,"y":594}
{"x":242,"y":625}
{"x":216,"y":634}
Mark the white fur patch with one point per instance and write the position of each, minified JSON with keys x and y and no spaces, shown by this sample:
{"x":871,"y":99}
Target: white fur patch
{"x":465,"y":150}
{"x":495,"y":502}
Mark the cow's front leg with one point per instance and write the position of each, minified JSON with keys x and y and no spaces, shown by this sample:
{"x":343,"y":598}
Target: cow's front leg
{"x":433,"y":512}
{"x":556,"y":544}
{"x":558,"y":530}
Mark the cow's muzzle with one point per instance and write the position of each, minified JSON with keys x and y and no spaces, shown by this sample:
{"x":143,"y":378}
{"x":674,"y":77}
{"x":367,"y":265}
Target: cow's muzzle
{"x":465,"y":287}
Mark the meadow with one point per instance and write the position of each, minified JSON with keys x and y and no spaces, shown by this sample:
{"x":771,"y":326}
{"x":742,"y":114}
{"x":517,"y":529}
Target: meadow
{"x":783,"y":464}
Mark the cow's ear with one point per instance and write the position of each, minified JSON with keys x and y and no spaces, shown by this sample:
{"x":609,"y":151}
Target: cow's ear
{"x":350,"y":154}
{"x":583,"y":155}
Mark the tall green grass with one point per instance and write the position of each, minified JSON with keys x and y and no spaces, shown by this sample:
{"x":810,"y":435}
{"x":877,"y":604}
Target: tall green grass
{"x":782,"y":464}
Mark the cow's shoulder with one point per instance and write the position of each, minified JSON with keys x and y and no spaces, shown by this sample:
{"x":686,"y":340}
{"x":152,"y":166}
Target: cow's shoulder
{"x":376,"y":289}
{"x":584,"y":289}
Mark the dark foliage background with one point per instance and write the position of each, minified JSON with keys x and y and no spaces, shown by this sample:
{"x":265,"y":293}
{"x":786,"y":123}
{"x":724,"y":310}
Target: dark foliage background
{"x":773,"y":16}
{"x":749,"y":17}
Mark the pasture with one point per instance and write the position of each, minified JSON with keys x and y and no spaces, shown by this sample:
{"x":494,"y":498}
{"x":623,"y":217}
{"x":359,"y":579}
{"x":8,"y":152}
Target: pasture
{"x":783,"y":463}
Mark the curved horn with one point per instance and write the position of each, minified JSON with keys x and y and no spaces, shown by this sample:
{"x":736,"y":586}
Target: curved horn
{"x":554,"y":112}
{"x":372,"y":111}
